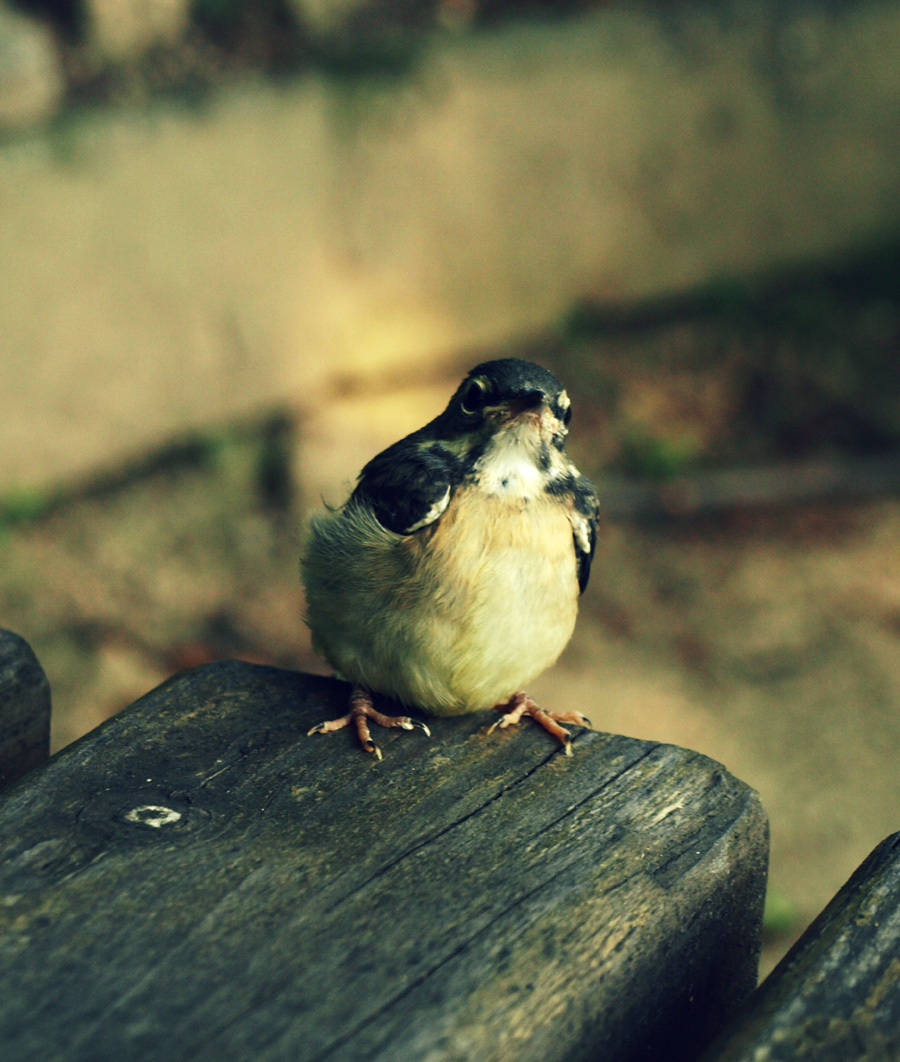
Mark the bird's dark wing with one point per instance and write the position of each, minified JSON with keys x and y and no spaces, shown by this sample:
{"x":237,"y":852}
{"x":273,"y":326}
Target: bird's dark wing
{"x":408,"y":485}
{"x":585,"y":519}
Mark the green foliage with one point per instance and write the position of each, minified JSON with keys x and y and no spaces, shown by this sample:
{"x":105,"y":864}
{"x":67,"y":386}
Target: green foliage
{"x":23,"y":505}
{"x":655,"y":457}
{"x":216,"y":11}
{"x":215,"y":449}
{"x":780,"y":915}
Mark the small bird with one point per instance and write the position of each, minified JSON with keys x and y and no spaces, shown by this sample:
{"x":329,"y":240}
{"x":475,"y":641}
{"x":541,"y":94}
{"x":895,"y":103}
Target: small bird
{"x":450,"y":578}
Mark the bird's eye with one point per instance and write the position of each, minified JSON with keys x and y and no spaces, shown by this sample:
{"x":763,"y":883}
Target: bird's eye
{"x":475,"y":396}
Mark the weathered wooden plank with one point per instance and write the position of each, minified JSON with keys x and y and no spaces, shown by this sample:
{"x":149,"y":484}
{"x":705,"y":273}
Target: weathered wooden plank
{"x":836,"y":994}
{"x":24,"y":709}
{"x":197,"y":879}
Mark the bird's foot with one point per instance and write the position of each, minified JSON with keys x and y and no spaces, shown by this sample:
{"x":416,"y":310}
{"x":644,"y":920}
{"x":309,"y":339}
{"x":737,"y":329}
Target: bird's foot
{"x":521,"y":704}
{"x":361,"y":711}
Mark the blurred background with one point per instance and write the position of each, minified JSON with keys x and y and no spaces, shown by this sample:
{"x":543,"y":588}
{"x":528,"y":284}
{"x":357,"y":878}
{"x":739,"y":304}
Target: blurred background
{"x":245,"y":245}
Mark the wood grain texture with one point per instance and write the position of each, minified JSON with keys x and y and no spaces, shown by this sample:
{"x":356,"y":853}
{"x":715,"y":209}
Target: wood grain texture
{"x":24,"y":709}
{"x":835,"y":997}
{"x":197,"y":879}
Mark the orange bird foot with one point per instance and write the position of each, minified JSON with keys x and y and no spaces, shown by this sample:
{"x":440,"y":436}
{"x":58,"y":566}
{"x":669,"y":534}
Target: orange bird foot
{"x":361,"y":711}
{"x":521,"y":704}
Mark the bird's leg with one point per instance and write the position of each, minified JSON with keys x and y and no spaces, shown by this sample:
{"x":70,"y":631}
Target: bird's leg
{"x":521,"y":704}
{"x":361,"y":711}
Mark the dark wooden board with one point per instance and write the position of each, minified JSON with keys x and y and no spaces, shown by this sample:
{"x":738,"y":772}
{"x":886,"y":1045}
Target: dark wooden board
{"x":24,"y":709}
{"x":470,"y":897}
{"x":835,"y":997}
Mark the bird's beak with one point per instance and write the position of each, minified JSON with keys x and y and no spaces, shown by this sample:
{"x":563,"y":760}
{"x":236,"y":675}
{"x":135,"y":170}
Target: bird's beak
{"x":526,"y":402}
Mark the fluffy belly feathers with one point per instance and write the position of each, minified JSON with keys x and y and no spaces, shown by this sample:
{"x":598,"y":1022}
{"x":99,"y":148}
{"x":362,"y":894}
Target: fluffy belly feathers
{"x":451,"y":619}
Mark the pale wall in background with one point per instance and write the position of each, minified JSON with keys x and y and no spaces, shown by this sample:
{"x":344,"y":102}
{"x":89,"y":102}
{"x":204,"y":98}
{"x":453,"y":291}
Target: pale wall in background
{"x":173,"y":269}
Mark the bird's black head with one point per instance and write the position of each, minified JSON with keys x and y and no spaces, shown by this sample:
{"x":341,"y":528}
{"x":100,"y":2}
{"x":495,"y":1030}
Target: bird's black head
{"x":509,"y":385}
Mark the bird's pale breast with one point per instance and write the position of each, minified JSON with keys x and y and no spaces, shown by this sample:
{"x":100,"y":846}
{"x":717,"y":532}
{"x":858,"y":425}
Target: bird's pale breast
{"x":457,"y":616}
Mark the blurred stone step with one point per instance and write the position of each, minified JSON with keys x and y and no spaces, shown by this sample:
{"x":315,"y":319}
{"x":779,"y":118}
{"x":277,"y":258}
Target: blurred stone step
{"x":171,"y":268}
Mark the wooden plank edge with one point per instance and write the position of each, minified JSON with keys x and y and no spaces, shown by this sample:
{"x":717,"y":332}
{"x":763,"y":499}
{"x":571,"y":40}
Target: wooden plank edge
{"x":836,"y":994}
{"x":24,"y":709}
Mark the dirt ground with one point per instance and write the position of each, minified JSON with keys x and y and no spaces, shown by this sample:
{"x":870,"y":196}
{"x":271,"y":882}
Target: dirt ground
{"x":766,"y":640}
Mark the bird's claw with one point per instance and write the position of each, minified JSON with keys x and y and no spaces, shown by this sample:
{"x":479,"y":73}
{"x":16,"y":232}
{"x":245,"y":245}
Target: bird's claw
{"x":406,"y":724}
{"x":411,"y":724}
{"x":361,"y":711}
{"x":520,"y":704}
{"x":319,"y":728}
{"x":370,"y":746}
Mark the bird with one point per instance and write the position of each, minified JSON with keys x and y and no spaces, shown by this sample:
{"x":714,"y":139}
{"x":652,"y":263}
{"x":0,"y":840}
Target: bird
{"x":450,"y":577}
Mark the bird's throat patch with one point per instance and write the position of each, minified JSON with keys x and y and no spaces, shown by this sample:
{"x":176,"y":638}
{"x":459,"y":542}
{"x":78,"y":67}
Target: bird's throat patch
{"x":517,"y":463}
